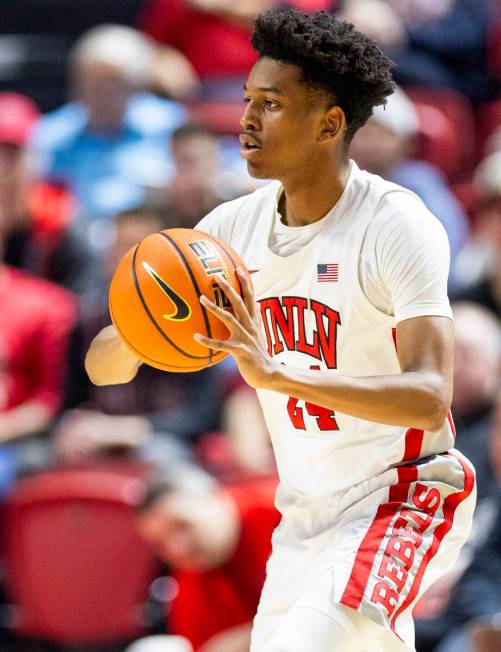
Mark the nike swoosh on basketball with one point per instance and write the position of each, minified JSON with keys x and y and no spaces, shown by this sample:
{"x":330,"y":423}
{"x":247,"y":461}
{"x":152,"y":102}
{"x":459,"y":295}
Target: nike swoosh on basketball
{"x":182,"y":309}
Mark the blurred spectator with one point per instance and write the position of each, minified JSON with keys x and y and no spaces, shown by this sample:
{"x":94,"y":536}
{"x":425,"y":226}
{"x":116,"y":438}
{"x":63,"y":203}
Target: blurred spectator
{"x":477,"y":367}
{"x":113,"y":138}
{"x":245,"y":427}
{"x":36,"y":36}
{"x":478,"y":595}
{"x":441,"y":44}
{"x":36,"y":216}
{"x":418,"y":12}
{"x":200,"y":181}
{"x":449,"y":51}
{"x":193,"y":191}
{"x":217,"y":544}
{"x":477,"y":270}
{"x":207,"y":41}
{"x":158,"y":415}
{"x":477,"y":370}
{"x":377,"y":19}
{"x":37,"y":317}
{"x":386,"y":146}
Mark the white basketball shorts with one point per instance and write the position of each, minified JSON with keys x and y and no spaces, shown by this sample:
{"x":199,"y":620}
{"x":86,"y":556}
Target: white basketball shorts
{"x":380,"y":543}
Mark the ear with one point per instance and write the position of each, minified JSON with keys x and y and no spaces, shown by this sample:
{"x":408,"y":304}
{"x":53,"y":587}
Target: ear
{"x":333,"y":125}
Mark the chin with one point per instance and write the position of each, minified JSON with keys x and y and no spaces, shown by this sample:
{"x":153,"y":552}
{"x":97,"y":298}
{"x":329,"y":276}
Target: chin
{"x":259,"y":172}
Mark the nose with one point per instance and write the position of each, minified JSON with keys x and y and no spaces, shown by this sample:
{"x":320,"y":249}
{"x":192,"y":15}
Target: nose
{"x":249,"y":120}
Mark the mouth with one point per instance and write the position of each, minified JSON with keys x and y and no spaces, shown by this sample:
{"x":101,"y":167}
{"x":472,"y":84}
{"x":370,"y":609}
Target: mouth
{"x":249,"y":145}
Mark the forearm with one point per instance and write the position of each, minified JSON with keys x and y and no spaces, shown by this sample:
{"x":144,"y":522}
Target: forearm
{"x":411,"y":399}
{"x":26,"y":419}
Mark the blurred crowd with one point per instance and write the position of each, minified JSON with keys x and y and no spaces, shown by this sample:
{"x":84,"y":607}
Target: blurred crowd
{"x":119,"y":118}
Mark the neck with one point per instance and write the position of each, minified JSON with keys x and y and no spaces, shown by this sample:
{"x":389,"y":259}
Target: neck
{"x":309,"y":198}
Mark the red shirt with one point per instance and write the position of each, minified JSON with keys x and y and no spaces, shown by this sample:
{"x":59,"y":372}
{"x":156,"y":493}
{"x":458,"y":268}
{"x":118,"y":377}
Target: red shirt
{"x":36,"y":318}
{"x":212,"y":601}
{"x":215,"y":46}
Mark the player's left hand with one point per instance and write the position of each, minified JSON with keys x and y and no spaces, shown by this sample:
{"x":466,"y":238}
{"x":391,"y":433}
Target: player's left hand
{"x":246,"y":342}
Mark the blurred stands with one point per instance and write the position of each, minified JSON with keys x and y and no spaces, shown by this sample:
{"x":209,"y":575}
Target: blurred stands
{"x":36,"y":37}
{"x":94,"y":160}
{"x":76,"y":570}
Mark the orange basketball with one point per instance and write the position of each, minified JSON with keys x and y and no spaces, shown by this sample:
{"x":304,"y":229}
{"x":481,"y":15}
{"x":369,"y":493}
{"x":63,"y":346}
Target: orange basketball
{"x":154,"y":297}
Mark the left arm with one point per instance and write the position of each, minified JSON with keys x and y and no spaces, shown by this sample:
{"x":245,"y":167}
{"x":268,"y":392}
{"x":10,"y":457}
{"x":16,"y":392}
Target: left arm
{"x":418,"y":397}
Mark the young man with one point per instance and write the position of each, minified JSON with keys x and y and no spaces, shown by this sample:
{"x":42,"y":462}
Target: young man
{"x":354,"y":366}
{"x":216,"y":542}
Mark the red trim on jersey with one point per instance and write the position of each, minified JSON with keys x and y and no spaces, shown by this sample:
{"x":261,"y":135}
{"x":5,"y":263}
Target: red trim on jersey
{"x":394,"y":336}
{"x":451,"y":503}
{"x":451,"y":423}
{"x":413,"y":444}
{"x":368,"y":548}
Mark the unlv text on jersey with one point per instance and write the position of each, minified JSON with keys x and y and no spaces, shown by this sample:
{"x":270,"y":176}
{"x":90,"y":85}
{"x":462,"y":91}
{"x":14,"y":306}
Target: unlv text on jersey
{"x":286,"y":322}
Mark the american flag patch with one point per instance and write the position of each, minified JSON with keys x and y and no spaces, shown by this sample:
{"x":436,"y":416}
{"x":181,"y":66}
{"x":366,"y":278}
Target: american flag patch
{"x":328,"y":273}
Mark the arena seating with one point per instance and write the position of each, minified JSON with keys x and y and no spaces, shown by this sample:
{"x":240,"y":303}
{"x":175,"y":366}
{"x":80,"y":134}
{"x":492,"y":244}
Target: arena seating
{"x":77,"y":573}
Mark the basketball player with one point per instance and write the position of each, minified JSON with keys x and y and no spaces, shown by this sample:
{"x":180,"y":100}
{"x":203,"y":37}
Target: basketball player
{"x":346,"y":333}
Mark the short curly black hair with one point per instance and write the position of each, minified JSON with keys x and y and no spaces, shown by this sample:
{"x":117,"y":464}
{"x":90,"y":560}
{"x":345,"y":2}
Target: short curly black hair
{"x":334,"y":58}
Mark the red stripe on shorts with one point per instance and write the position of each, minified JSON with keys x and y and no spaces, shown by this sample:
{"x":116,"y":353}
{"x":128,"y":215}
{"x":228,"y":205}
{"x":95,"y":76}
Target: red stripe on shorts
{"x":451,"y":503}
{"x":451,"y":423}
{"x":370,"y":544}
{"x":413,"y":444}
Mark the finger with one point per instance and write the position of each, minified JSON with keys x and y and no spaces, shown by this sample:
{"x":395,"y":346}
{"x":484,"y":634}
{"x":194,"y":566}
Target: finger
{"x":218,"y":345}
{"x":228,"y":319}
{"x":239,"y":307}
{"x":247,"y":292}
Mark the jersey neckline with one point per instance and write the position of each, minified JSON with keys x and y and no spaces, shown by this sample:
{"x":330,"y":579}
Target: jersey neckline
{"x":318,"y":226}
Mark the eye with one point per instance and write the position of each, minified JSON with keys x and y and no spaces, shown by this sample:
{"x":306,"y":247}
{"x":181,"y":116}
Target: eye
{"x":270,"y":104}
{"x":246,"y":100}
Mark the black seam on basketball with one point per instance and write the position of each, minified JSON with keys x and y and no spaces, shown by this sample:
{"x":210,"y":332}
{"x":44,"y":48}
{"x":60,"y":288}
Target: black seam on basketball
{"x":152,"y":319}
{"x":195,"y":285}
{"x":229,"y":256}
{"x":166,"y":367}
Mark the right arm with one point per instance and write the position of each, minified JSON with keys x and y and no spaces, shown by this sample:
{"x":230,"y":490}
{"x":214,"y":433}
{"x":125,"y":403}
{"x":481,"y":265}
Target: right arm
{"x":109,"y":361}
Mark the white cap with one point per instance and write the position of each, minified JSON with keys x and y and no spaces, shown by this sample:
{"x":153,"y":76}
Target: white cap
{"x":161,"y":644}
{"x":399,"y":115}
{"x":118,"y":46}
{"x":487,"y":179}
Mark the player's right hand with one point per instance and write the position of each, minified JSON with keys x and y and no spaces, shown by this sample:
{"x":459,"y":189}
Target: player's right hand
{"x":109,"y":361}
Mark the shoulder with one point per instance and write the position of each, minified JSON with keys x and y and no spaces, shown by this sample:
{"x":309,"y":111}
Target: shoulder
{"x":152,"y":115}
{"x":226,"y":219}
{"x":400,"y":213}
{"x":59,"y":127}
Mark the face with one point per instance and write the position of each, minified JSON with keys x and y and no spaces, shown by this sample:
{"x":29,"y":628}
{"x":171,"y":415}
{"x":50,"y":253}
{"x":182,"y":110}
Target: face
{"x":189,"y":532}
{"x":378,"y":149}
{"x":475,"y":370}
{"x":488,"y":222}
{"x":128,"y":232}
{"x":197,"y":161}
{"x":13,"y":180}
{"x":286,"y":126}
{"x":104,"y":91}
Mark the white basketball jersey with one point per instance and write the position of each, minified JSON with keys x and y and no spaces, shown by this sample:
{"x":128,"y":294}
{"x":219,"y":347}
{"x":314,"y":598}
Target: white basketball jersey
{"x":316,"y":316}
